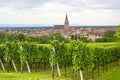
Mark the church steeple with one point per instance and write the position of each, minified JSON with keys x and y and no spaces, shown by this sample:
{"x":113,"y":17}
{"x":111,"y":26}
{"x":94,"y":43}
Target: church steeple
{"x":66,"y":24}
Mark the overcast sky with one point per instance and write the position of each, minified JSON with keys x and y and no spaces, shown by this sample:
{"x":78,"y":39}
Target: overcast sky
{"x":80,"y":12}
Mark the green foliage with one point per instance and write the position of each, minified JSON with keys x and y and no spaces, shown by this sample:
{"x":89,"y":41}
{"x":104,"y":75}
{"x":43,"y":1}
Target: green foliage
{"x":52,"y":59}
{"x":23,"y":54}
{"x":118,"y":28}
{"x":8,"y":51}
{"x":2,"y":50}
{"x":43,"y":39}
{"x":76,"y":54}
{"x":57,"y":36}
{"x":81,"y":38}
{"x":109,"y":33}
{"x":105,"y":39}
{"x":54,"y":55}
{"x":117,"y":35}
{"x":3,"y":37}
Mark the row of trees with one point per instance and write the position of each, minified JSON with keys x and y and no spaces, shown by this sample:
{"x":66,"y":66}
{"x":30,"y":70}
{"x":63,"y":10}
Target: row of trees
{"x":43,"y":39}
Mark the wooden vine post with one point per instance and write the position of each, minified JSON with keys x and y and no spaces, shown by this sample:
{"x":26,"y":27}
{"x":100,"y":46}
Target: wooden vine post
{"x":53,"y":61}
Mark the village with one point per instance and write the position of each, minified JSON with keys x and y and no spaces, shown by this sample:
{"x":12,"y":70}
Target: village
{"x":65,"y":30}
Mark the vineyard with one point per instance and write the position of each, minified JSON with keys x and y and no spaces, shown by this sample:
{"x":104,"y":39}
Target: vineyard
{"x":77,"y":59}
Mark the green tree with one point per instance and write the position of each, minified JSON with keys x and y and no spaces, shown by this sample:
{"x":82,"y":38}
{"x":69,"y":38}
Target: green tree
{"x":118,"y":29}
{"x":117,"y":35}
{"x":43,"y":39}
{"x":19,"y":37}
{"x":57,"y":36}
{"x":109,"y":33}
{"x":2,"y":37}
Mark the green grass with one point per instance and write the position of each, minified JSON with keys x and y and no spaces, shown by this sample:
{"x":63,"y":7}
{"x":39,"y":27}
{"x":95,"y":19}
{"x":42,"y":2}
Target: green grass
{"x":24,"y":76}
{"x":113,"y":74}
{"x":33,"y":76}
{"x":93,"y":44}
{"x":107,"y":44}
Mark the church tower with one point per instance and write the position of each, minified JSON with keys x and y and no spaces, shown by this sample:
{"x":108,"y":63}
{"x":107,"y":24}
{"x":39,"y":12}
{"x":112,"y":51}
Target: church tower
{"x":66,"y":23}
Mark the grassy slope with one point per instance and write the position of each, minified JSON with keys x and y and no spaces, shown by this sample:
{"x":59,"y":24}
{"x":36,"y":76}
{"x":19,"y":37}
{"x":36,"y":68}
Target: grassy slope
{"x":33,"y":76}
{"x":24,"y":76}
{"x":113,"y":74}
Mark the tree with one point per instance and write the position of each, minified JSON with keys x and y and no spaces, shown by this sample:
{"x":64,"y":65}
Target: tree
{"x":19,"y":37}
{"x":2,"y":37}
{"x":104,"y":39}
{"x":57,"y":36}
{"x":109,"y":33}
{"x":118,"y":29}
{"x":117,"y":35}
{"x":107,"y":37}
{"x":43,"y":39}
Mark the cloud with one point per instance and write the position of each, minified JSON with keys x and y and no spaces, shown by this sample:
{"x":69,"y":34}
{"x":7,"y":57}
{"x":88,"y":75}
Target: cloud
{"x":108,"y":4}
{"x":87,"y":4}
{"x":21,"y":4}
{"x":53,"y":11}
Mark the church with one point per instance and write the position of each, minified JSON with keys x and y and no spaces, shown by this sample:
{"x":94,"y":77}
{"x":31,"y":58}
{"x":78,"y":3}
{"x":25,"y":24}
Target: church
{"x":65,"y":26}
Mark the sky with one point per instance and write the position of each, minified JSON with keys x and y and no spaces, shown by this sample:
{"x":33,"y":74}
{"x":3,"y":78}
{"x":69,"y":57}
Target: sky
{"x":51,"y":12}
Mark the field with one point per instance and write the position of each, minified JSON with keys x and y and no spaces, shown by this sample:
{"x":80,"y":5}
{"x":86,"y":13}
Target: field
{"x":100,"y":61}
